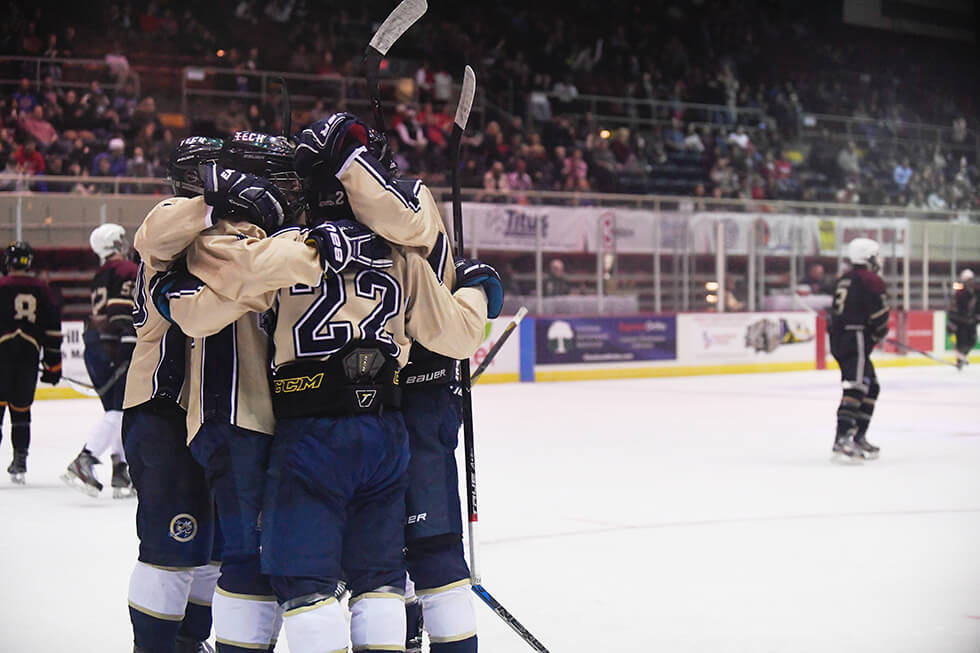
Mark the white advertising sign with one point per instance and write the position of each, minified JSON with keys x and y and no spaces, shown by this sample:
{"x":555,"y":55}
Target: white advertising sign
{"x":507,"y":360}
{"x":745,"y":337}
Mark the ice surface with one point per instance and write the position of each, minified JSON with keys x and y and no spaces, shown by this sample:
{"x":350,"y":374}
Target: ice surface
{"x":682,"y":515}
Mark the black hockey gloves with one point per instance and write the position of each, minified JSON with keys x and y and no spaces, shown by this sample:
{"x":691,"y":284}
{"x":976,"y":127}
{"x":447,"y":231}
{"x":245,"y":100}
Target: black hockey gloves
{"x":247,"y":196}
{"x":471,"y":272}
{"x":329,"y":142}
{"x":345,"y":242}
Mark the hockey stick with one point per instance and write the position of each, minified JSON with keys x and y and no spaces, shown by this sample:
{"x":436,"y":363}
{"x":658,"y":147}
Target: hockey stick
{"x":77,"y":382}
{"x":455,"y":143}
{"x":902,"y":345}
{"x":116,"y":375}
{"x":286,"y":106}
{"x":397,"y":23}
{"x":497,"y":345}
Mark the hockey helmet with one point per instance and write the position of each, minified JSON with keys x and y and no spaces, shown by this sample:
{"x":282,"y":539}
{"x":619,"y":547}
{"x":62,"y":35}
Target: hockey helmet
{"x":326,"y":198}
{"x":966,"y":275}
{"x":109,"y":239}
{"x":19,"y":255}
{"x":863,"y":251}
{"x":270,"y":157}
{"x":182,"y":170}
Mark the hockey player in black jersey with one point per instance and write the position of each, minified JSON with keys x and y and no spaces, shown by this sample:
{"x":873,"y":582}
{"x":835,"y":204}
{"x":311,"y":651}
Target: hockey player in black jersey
{"x":962,"y":318}
{"x":109,"y":341}
{"x":30,"y":332}
{"x":858,"y":322}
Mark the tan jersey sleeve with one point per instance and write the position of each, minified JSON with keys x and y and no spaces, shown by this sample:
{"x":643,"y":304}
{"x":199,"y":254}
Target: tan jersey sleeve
{"x":238,"y":267}
{"x":451,"y":324}
{"x":169,"y":228}
{"x":401,"y":211}
{"x":202,"y":312}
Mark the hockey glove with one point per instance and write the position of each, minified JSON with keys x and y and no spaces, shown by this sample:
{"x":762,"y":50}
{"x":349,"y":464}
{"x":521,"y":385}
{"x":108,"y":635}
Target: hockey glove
{"x":51,"y":374}
{"x":471,"y":273}
{"x":329,"y":142}
{"x":239,"y":194}
{"x":174,"y":282}
{"x":345,"y":242}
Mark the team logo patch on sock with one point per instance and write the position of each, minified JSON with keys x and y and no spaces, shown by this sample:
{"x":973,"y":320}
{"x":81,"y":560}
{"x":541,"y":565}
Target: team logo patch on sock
{"x":183,"y":527}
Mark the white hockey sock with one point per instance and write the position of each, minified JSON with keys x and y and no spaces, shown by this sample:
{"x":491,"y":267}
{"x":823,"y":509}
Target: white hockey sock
{"x":378,"y":620}
{"x":447,"y":612}
{"x":317,"y":628}
{"x":203,"y":583}
{"x":246,"y":620}
{"x":159,"y":592}
{"x":106,"y":435}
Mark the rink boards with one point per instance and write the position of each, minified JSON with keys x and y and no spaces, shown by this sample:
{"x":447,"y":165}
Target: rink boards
{"x":575,"y":348}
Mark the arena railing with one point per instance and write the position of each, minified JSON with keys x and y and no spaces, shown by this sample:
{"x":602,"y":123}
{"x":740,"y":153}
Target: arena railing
{"x":111,"y":72}
{"x":711,"y":244}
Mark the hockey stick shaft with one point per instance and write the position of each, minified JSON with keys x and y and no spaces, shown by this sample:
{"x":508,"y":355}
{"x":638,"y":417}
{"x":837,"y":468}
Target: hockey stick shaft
{"x":75,"y":381}
{"x":397,"y":23}
{"x":116,"y":375}
{"x":902,"y":345}
{"x":508,"y":618}
{"x":509,"y":329}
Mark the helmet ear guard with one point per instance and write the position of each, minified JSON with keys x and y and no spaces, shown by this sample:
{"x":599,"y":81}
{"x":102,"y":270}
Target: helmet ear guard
{"x":182,"y":170}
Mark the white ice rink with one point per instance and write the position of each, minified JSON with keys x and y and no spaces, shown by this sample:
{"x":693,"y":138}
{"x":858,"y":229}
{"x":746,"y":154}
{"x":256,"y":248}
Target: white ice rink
{"x":699,"y":514}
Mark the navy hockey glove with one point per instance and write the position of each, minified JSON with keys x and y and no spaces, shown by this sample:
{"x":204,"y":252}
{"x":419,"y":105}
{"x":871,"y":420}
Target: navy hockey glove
{"x":173,"y":282}
{"x":329,"y":142}
{"x":345,"y":242}
{"x":51,"y":374}
{"x":471,"y":272}
{"x":247,"y":196}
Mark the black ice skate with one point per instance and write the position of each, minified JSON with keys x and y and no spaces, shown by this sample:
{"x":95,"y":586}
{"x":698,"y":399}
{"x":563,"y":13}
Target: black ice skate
{"x":18,"y":467}
{"x":122,"y":485}
{"x":846,"y":451}
{"x":81,"y":476}
{"x":869,"y":450}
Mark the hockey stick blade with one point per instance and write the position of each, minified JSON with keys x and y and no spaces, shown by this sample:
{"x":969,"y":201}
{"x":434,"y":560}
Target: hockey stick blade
{"x":466,"y":93}
{"x":509,"y":329}
{"x":397,"y":23}
{"x":508,"y":618}
{"x":901,"y":345}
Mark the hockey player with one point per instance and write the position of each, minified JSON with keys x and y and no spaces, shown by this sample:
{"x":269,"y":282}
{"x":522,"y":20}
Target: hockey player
{"x":431,"y":405}
{"x":334,"y":382}
{"x":109,"y":341}
{"x":859,"y":321}
{"x":962,"y":318}
{"x":251,"y":189}
{"x":172,"y":583}
{"x":30,"y":333}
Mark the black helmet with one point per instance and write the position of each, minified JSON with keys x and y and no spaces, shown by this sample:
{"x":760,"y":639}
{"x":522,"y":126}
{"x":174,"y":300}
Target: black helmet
{"x":18,"y":256}
{"x":188,"y":155}
{"x":326,"y":198}
{"x":270,"y":157}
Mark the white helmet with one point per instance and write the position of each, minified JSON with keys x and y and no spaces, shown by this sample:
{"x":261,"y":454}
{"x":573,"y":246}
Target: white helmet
{"x":108,"y":239}
{"x":863,"y":251}
{"x":966,"y":275}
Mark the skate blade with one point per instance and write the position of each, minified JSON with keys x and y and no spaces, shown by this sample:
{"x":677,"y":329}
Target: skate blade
{"x":18,"y":479}
{"x":844,"y":459}
{"x":123,"y":493}
{"x":76,"y":483}
{"x":871,"y":456}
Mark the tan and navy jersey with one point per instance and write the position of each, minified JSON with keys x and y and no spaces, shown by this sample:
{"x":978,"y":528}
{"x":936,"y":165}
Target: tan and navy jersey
{"x":159,"y":363}
{"x":30,"y":311}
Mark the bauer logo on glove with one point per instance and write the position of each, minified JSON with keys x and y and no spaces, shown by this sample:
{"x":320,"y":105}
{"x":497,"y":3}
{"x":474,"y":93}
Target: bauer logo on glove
{"x":346,"y":242}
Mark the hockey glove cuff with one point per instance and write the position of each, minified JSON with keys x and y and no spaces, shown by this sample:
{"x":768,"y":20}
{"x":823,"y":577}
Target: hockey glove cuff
{"x":345,"y":242}
{"x":328,"y":142}
{"x":471,"y":273}
{"x":247,"y":196}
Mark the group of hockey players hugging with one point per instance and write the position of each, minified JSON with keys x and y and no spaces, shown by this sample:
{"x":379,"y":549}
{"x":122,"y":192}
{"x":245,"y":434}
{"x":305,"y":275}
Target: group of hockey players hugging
{"x":284,"y":297}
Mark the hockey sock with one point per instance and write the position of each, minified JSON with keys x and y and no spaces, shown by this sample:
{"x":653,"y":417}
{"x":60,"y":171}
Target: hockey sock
{"x":246,"y":613}
{"x":847,"y":412}
{"x":3,"y":409}
{"x":20,"y":428}
{"x":319,"y":625}
{"x":867,"y":409}
{"x":378,"y":621}
{"x":196,"y":625}
{"x":450,"y":618}
{"x":106,"y":433}
{"x":157,"y":599}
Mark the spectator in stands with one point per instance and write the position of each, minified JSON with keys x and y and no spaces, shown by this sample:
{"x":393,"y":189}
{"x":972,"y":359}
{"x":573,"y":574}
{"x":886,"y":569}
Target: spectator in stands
{"x":231,"y":119}
{"x":40,"y":129}
{"x":519,"y":180}
{"x":692,"y":142}
{"x":959,"y":130}
{"x":145,"y":113}
{"x":575,"y":173}
{"x":555,"y":282}
{"x":425,"y":79}
{"x":674,"y":137}
{"x":111,"y":163}
{"x":29,"y":161}
{"x":902,"y":174}
{"x":326,"y":65}
{"x":495,"y":179}
{"x":471,"y":177}
{"x":848,"y":162}
{"x":50,"y":95}
{"x":816,"y":280}
{"x":24,"y":98}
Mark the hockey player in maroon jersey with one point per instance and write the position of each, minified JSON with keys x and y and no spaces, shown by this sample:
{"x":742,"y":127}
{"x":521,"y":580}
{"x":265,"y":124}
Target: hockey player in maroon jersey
{"x":962,"y":318}
{"x":109,"y":341}
{"x":30,"y":332}
{"x":859,"y":321}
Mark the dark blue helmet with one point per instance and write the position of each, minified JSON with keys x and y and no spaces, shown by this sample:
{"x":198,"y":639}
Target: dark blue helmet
{"x":270,"y":157}
{"x":188,"y":155}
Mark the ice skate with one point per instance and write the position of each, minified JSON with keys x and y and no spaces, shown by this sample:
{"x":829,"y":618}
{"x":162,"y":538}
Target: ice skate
{"x":185,"y":645}
{"x":18,"y":467}
{"x":866,"y":448}
{"x":122,"y":485}
{"x":961,"y":361}
{"x":81,"y":476}
{"x":845,"y":451}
